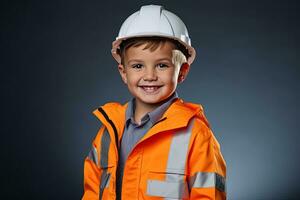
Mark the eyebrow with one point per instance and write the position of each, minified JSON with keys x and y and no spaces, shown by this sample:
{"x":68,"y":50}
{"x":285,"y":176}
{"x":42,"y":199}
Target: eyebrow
{"x":134,"y":60}
{"x":166,"y":59}
{"x":161,"y":59}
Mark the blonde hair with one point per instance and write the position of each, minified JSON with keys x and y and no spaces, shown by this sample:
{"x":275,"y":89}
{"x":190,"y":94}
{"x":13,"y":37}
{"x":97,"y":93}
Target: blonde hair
{"x":178,"y":58}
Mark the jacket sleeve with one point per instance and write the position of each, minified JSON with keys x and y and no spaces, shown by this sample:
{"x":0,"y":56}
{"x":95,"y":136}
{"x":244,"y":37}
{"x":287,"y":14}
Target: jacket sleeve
{"x":92,"y":169}
{"x":206,"y":166}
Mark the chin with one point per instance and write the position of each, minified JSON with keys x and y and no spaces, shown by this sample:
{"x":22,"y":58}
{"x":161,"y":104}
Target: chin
{"x":152,"y":101}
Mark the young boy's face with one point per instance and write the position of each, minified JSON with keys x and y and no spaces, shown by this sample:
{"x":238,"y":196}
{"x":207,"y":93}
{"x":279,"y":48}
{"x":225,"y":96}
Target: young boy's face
{"x":151,"y":77}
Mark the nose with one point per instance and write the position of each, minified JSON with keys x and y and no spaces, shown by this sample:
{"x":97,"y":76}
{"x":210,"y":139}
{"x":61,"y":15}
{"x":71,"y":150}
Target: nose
{"x":150,"y":74}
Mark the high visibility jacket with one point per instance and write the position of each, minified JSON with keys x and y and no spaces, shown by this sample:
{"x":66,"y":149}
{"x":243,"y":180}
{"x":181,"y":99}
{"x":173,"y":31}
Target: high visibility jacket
{"x":178,"y":158}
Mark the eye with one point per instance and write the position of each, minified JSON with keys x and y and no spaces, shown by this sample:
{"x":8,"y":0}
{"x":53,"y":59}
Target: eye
{"x":162,"y":66}
{"x":137,"y":66}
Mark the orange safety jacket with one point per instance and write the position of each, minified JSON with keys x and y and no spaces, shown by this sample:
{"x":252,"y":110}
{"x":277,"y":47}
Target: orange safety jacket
{"x":178,"y":158}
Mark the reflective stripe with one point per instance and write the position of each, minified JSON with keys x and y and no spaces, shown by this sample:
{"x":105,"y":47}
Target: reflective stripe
{"x":178,"y":150}
{"x":105,"y":142}
{"x":207,"y":180}
{"x":166,"y":189}
{"x":105,"y":177}
{"x":174,"y":185}
{"x":108,"y":181}
{"x":93,"y":155}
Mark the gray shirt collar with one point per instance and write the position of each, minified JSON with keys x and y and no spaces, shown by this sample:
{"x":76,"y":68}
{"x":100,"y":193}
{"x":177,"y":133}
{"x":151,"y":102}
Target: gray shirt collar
{"x":154,"y":115}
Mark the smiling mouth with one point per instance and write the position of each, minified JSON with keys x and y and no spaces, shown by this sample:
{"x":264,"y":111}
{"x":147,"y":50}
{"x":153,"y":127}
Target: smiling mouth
{"x":150,"y":89}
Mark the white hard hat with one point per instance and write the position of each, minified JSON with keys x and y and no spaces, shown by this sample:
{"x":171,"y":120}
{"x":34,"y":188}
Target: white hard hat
{"x":154,"y":20}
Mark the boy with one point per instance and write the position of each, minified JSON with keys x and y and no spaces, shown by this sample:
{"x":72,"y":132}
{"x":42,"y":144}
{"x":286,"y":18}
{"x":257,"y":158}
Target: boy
{"x":156,"y":146}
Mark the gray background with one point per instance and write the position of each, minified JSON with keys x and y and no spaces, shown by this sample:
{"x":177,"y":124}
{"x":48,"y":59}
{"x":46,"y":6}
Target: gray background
{"x":56,"y":68}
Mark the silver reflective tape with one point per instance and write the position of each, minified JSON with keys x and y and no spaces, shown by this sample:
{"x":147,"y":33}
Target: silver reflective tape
{"x":93,"y":155}
{"x":172,"y":177}
{"x":105,"y":142}
{"x":207,"y":180}
{"x":108,"y":181}
{"x":166,"y":189}
{"x":174,"y":186}
{"x":105,"y":177}
{"x":178,"y":150}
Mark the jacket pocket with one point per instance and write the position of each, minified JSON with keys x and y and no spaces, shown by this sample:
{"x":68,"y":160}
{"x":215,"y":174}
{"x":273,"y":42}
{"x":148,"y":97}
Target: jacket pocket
{"x":167,"y":184}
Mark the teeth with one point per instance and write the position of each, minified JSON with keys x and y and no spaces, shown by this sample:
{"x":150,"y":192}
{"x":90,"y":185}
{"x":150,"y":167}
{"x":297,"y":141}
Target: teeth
{"x":150,"y":88}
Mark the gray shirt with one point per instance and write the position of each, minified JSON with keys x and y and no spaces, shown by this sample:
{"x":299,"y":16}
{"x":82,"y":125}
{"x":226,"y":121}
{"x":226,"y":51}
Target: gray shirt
{"x":133,"y":132}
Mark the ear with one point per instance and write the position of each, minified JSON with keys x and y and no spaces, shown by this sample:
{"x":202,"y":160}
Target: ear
{"x":122,"y":72}
{"x":184,"y":70}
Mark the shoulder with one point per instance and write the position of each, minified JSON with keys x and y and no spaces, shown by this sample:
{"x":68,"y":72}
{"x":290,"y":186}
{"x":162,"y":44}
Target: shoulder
{"x":114,"y":107}
{"x":200,"y":126}
{"x":201,"y":130}
{"x":111,"y":114}
{"x":113,"y":104}
{"x":197,"y":110}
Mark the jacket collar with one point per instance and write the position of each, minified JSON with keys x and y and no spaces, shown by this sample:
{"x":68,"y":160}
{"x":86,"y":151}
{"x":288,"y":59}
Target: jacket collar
{"x":112,"y":116}
{"x":177,"y":116}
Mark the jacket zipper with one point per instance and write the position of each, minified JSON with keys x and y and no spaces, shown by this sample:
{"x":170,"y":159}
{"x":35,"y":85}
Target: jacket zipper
{"x":116,"y":137}
{"x":112,"y":125}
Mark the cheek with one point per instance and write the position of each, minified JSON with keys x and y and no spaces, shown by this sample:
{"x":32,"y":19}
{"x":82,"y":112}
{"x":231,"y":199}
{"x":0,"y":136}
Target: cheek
{"x":172,"y":77}
{"x":132,"y":79}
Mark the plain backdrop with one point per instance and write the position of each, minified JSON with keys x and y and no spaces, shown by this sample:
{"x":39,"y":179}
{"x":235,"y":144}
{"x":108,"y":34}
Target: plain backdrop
{"x":56,"y":68}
